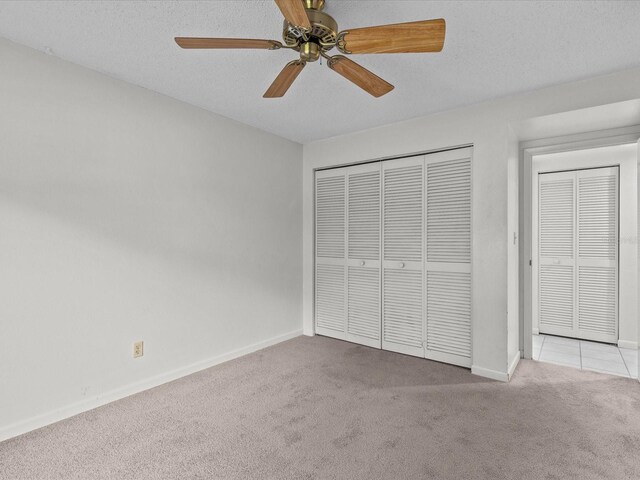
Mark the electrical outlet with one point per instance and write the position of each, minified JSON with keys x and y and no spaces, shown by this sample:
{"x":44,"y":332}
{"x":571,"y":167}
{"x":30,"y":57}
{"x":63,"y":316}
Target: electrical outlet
{"x":138,"y":349}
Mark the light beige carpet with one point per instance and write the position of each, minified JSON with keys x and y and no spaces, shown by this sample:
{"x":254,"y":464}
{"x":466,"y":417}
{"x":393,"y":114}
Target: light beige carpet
{"x":321,"y":408}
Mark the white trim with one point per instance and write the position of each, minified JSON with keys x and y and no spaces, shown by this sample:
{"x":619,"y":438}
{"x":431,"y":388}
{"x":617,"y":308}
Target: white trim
{"x":628,"y":344}
{"x":513,"y":364}
{"x":488,"y":373}
{"x":535,"y":331}
{"x":62,"y":413}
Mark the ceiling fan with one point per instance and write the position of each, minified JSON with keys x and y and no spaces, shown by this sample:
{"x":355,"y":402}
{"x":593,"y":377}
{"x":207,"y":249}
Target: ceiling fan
{"x":312,"y":33}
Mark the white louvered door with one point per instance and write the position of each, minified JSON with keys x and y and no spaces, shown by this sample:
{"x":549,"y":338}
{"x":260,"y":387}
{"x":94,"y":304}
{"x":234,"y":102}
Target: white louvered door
{"x":556,"y":253}
{"x":578,"y":254}
{"x":330,"y":281}
{"x":393,"y":255}
{"x":363,"y":254}
{"x":448,"y":256}
{"x":597,"y":282}
{"x":402,"y":247}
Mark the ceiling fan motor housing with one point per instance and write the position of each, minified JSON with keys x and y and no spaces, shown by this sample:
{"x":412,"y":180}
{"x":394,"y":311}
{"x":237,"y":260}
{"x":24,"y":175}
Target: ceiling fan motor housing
{"x":321,"y":38}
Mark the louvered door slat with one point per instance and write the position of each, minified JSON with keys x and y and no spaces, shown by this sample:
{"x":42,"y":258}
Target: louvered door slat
{"x":597,"y":224}
{"x":402,"y":284}
{"x":330,"y":279}
{"x":448,"y":256}
{"x":556,"y":213}
{"x":330,"y":217}
{"x":403,"y":309}
{"x":403,"y":217}
{"x":330,"y":298}
{"x":597,"y":306}
{"x":364,"y":304}
{"x":449,"y":313}
{"x":364,"y":215}
{"x":363,"y":274}
{"x":449,"y":211}
{"x":556,"y":298}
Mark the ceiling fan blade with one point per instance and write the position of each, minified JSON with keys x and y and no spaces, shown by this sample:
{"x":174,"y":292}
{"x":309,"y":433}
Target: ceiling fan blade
{"x":412,"y":37}
{"x":284,"y":79}
{"x":294,"y":13}
{"x":359,"y":75}
{"x":194,"y":42}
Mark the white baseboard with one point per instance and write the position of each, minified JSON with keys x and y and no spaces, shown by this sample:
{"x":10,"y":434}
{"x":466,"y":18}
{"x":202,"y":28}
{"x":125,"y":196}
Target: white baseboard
{"x":514,"y":363}
{"x":492,"y":374}
{"x":628,"y":344}
{"x":535,"y":331}
{"x":56,"y":415}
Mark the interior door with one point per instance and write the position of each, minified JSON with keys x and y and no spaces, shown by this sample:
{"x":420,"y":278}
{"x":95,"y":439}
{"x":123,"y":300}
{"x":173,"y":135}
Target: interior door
{"x":330,"y":278}
{"x":578,"y":254}
{"x":402,"y":247}
{"x":448,"y":256}
{"x":363,"y":254}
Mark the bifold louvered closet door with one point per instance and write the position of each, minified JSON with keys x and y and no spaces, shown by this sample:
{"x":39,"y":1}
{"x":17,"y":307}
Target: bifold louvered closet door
{"x":348,"y":254}
{"x":363,"y":254}
{"x":448,"y":256}
{"x":578,"y":254}
{"x":402,"y":261}
{"x":331,"y":238}
{"x":393,"y":255}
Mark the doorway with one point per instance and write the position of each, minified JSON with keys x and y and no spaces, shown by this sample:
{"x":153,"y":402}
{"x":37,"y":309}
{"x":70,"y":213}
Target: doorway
{"x":581,"y":281}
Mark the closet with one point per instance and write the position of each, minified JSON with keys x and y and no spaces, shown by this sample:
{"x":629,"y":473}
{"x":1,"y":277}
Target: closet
{"x":393,"y":255}
{"x":578,"y":254}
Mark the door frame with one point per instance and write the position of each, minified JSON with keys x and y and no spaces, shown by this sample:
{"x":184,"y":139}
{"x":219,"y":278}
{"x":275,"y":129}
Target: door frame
{"x":527,"y":150}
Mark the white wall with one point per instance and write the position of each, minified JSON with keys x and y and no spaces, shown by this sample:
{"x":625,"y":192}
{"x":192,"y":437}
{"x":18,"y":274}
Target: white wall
{"x":626,"y":157}
{"x":491,"y":128}
{"x":126,"y":215}
{"x":513,"y":264}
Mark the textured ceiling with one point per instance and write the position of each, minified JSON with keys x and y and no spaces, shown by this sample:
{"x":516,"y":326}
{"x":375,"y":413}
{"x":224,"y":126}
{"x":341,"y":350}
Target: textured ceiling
{"x":492,"y":49}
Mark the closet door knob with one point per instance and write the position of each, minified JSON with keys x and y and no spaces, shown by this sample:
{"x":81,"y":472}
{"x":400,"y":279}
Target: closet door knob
{"x":401,"y":264}
{"x":362,"y":263}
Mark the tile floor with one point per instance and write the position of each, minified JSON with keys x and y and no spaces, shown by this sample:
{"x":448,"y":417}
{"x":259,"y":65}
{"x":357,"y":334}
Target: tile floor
{"x":598,"y":357}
